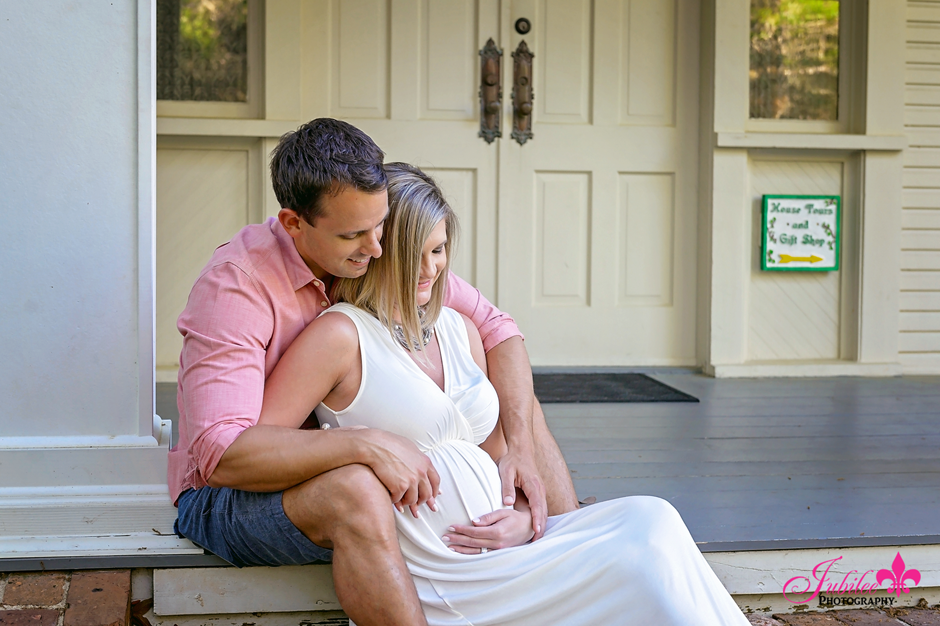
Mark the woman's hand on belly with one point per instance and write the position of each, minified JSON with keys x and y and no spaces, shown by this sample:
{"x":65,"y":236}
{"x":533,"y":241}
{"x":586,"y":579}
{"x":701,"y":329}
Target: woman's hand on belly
{"x":504,"y":528}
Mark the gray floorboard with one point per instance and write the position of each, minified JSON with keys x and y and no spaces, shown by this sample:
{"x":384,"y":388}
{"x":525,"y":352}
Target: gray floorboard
{"x":771,"y":462}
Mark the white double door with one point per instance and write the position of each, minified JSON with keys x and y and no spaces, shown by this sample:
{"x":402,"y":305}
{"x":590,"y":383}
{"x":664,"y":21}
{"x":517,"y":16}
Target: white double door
{"x":586,"y":234}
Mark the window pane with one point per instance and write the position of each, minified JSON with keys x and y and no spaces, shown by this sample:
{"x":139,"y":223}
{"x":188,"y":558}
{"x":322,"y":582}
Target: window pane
{"x":202,"y":50}
{"x":795,"y":59}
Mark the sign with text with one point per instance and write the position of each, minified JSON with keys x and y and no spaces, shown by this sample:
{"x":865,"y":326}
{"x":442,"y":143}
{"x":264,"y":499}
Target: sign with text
{"x":800,"y":234}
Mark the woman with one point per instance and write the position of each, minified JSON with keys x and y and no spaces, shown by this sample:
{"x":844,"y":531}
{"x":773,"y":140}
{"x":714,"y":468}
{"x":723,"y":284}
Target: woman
{"x":407,"y":365}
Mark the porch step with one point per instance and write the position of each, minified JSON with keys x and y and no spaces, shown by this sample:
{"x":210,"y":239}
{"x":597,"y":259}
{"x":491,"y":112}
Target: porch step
{"x":223,"y":590}
{"x":280,"y":596}
{"x":754,"y":578}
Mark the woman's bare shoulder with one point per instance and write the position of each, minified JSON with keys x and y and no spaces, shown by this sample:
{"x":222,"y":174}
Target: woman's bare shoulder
{"x":333,"y":330}
{"x":319,"y":360}
{"x":336,"y":321}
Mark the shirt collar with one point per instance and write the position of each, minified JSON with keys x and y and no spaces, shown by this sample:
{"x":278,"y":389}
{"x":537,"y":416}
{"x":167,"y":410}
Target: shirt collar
{"x":300,"y":275}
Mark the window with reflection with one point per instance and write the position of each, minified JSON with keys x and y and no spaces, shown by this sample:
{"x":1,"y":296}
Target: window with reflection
{"x":202,"y":50}
{"x":794,"y":73}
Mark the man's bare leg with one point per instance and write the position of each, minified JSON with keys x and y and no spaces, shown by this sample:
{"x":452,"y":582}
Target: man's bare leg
{"x":350,"y":511}
{"x":559,"y":490}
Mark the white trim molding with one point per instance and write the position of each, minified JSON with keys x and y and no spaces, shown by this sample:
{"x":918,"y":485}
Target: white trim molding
{"x":891,"y":143}
{"x":803,"y":369}
{"x":147,"y":213}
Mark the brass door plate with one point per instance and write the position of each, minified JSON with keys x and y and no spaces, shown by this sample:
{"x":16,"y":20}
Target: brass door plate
{"x":522,"y":94}
{"x":491,"y":91}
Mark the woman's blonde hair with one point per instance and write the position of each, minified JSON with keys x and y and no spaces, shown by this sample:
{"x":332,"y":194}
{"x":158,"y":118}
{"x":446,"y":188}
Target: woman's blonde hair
{"x":416,"y":205}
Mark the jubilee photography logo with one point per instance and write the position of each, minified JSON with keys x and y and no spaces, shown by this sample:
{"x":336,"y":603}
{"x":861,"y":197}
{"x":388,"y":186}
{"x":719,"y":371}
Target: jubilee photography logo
{"x":854,"y":588}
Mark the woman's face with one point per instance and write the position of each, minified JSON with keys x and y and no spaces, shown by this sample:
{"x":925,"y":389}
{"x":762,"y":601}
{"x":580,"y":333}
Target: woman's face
{"x":433,"y":260}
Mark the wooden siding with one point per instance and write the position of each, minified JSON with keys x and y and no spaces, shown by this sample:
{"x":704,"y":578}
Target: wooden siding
{"x":919,"y":340}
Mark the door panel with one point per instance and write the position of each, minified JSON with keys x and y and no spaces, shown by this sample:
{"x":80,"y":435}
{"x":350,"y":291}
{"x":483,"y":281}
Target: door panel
{"x":646,"y":214}
{"x":360,"y":58}
{"x":562,"y":256}
{"x":597,"y":218}
{"x":648,"y":63}
{"x":563,"y":70}
{"x":448,"y":63}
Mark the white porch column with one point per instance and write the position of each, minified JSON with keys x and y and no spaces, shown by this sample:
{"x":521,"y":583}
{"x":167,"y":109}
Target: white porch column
{"x":82,"y":455}
{"x":879,"y":316}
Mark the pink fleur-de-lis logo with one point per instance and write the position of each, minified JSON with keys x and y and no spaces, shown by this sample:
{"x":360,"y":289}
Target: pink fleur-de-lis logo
{"x":898,"y":576}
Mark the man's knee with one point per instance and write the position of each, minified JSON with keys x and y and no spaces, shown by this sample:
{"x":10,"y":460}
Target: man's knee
{"x":358,"y":490}
{"x":349,"y":499}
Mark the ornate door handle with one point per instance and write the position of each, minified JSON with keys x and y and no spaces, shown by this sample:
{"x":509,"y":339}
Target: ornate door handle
{"x":491,"y":91}
{"x":522,"y":95}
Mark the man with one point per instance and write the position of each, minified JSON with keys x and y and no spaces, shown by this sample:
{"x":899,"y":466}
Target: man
{"x":264,"y":495}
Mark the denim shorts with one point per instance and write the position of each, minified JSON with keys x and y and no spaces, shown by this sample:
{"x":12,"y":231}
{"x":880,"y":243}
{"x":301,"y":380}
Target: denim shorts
{"x":245,"y":528}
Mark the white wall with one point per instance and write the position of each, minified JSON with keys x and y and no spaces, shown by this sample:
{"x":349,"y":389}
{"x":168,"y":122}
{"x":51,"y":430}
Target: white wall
{"x":68,"y":218}
{"x":78,"y":451}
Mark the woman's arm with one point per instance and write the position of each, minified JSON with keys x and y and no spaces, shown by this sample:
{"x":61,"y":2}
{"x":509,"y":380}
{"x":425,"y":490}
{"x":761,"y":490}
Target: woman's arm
{"x":321,"y":364}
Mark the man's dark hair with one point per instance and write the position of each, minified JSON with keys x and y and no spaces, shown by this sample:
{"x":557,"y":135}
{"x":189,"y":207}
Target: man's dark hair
{"x":324,"y":156}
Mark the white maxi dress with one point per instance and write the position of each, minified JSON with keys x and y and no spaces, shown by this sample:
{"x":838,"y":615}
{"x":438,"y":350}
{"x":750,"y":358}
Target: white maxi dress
{"x":629,"y":561}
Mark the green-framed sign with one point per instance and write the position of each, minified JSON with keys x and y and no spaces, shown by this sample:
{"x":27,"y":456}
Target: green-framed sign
{"x":800,"y":234}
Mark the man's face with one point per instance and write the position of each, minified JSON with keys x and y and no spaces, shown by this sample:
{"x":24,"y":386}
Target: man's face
{"x":345,"y":236}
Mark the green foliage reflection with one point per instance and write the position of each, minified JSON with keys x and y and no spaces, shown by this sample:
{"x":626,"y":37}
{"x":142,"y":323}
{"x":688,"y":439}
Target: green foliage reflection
{"x":794,"y":59}
{"x":202,"y":50}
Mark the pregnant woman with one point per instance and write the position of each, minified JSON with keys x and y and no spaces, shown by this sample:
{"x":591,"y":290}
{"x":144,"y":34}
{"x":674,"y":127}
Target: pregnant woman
{"x":390,"y":357}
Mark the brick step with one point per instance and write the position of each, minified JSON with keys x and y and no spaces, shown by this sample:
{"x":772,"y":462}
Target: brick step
{"x":94,"y":598}
{"x":915,"y":616}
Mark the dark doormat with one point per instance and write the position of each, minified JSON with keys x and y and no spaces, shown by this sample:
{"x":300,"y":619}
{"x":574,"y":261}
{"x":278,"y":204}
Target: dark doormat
{"x":605,"y":388}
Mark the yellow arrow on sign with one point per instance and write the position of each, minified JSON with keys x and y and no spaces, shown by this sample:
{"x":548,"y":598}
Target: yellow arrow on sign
{"x":786,"y":258}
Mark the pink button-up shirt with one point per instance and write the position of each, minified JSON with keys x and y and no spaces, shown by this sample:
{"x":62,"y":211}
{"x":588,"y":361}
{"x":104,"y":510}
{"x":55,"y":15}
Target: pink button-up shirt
{"x":250,"y":302}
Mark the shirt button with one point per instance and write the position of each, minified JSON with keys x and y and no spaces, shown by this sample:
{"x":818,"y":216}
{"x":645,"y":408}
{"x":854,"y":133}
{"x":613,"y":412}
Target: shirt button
{"x":324,"y":303}
{"x":317,"y":283}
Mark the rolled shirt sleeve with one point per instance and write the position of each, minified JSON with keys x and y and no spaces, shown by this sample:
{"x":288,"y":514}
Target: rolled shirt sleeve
{"x":226,"y":328}
{"x":495,"y":326}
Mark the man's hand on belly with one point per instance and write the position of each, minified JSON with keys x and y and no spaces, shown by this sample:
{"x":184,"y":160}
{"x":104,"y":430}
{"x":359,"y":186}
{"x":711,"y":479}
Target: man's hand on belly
{"x":518,"y":471}
{"x":509,"y":371}
{"x":406,"y":472}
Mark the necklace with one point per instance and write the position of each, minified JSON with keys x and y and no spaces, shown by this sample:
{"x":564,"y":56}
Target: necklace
{"x":425,"y":333}
{"x":419,"y":345}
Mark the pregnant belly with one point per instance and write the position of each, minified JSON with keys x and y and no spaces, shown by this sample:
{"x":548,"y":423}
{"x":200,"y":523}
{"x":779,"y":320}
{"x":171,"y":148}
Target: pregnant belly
{"x":470,"y":488}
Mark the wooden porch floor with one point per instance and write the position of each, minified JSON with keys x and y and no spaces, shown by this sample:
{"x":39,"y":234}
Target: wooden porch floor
{"x":766,"y":463}
{"x":771,"y":463}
